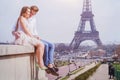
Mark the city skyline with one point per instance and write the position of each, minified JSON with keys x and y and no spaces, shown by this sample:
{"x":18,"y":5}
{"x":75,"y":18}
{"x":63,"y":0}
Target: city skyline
{"x":59,"y":19}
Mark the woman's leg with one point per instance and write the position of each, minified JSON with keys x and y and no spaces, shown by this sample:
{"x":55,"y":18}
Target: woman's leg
{"x":39,"y":54}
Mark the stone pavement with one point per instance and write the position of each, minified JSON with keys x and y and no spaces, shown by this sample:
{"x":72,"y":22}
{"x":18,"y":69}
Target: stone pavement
{"x":87,"y":67}
{"x":64,"y":70}
{"x":101,"y":73}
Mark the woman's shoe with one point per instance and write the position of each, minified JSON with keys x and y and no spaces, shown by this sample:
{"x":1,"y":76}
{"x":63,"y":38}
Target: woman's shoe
{"x":42,"y":68}
{"x":36,"y":65}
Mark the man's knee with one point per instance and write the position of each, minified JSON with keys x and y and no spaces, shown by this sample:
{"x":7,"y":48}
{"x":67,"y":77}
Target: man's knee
{"x":52,"y":45}
{"x":46,"y":45}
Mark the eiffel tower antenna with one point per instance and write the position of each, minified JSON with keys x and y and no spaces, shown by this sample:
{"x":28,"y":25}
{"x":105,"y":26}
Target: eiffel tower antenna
{"x":87,"y":6}
{"x":81,"y":34}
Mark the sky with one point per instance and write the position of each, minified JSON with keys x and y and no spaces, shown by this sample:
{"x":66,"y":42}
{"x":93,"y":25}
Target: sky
{"x":57,"y":20}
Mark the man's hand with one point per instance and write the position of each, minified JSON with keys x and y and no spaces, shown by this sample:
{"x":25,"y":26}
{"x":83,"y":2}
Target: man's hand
{"x":16,"y":34}
{"x":13,"y":32}
{"x":37,"y":37}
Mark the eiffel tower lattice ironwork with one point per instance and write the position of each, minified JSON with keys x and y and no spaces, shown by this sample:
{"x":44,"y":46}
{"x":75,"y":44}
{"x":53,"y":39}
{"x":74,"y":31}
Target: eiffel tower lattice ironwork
{"x":81,"y":34}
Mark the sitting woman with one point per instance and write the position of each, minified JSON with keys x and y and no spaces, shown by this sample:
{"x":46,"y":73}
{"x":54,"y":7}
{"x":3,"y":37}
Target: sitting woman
{"x":23,"y":36}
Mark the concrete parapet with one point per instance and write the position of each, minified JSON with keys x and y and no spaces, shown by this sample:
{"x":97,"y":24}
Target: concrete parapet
{"x":17,"y":62}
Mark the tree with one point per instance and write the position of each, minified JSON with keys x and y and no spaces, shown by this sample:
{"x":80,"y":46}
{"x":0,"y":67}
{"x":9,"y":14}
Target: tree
{"x":117,"y":52}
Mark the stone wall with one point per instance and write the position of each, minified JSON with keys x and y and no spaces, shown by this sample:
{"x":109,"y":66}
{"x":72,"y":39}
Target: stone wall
{"x":18,"y":63}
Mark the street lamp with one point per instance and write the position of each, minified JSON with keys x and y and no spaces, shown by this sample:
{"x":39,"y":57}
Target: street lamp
{"x":75,"y":61}
{"x":68,"y":63}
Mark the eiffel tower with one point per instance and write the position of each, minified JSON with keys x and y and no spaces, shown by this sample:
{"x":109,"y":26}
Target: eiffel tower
{"x":81,"y":34}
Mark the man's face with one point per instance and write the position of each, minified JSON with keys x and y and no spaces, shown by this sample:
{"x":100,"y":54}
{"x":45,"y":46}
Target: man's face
{"x":33,"y":12}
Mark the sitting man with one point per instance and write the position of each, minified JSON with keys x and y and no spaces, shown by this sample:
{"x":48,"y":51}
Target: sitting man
{"x":49,"y":47}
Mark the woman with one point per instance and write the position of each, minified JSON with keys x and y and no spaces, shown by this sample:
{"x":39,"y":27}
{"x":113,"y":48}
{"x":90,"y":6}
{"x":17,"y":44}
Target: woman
{"x":23,"y":36}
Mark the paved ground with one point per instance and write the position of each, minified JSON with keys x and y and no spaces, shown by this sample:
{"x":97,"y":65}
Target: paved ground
{"x":101,"y":73}
{"x":63,"y":71}
{"x":87,"y":67}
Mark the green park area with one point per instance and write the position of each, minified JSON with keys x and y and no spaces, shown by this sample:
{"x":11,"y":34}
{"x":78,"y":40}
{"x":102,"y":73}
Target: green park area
{"x":117,"y":70}
{"x":117,"y":66}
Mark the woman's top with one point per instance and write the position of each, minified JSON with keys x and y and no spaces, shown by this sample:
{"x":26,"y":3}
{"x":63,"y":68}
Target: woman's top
{"x":24,"y":39}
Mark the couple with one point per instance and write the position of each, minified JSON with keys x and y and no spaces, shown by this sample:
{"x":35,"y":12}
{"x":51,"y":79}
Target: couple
{"x":26,"y":34}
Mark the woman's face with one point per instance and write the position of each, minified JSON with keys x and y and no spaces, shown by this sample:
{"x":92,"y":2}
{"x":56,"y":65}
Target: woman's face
{"x":27,"y":14}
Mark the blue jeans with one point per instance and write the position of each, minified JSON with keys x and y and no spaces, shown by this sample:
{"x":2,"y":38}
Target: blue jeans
{"x":48,"y":53}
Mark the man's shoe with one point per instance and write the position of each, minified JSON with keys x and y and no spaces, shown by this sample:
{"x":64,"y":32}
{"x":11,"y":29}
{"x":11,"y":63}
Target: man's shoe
{"x":48,"y":71}
{"x":53,"y":71}
{"x":56,"y":69}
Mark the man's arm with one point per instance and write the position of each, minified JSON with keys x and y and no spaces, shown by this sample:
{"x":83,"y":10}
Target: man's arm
{"x":37,"y":37}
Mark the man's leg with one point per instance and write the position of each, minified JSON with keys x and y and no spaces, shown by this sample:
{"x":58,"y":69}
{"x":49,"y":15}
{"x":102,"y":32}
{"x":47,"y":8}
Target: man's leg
{"x":49,"y":52}
{"x":50,"y":59}
{"x":110,"y":76}
{"x":46,"y":58}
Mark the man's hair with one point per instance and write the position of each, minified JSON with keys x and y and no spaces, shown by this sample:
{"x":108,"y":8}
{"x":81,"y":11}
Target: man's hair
{"x":35,"y":8}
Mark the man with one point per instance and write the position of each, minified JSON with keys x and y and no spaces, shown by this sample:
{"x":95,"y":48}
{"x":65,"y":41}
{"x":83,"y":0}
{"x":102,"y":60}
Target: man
{"x":111,"y":70}
{"x":49,"y":47}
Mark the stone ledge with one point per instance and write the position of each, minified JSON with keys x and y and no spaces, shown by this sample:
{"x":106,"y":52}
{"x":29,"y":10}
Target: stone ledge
{"x":15,"y":49}
{"x":16,"y":65}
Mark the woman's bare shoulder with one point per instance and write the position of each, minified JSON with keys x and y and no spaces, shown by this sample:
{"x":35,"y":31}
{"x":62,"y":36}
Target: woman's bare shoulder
{"x":21,"y":18}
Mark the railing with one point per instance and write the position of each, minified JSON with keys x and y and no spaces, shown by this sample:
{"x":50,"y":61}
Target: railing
{"x":117,"y":71}
{"x":117,"y":74}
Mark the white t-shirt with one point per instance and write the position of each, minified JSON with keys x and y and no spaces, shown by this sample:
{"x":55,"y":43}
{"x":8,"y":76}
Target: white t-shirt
{"x":32,"y":25}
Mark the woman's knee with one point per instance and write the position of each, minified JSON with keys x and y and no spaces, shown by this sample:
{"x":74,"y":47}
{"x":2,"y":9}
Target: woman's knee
{"x":40,"y":45}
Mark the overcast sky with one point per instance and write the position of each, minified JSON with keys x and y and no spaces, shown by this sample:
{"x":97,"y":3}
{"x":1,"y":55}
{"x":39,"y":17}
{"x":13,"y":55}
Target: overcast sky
{"x":58,"y":19}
